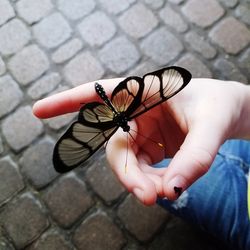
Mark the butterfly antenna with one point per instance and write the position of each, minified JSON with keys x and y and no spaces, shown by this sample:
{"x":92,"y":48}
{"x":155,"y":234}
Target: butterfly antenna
{"x":157,"y":143}
{"x":126,"y":162}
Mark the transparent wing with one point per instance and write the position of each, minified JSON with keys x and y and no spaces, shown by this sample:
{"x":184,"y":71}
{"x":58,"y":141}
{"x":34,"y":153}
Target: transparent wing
{"x":78,"y":144}
{"x":84,"y":137}
{"x":161,"y":85}
{"x":136,"y":95}
{"x":96,"y":114}
{"x":127,"y":95}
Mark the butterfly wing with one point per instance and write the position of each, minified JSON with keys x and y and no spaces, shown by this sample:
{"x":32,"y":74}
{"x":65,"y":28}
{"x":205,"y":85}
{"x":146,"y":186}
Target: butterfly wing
{"x":96,"y":125}
{"x":136,"y":95}
{"x":161,"y":85}
{"x":84,"y":137}
{"x":126,"y":97}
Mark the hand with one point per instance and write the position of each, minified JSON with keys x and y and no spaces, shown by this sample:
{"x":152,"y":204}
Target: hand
{"x":192,"y":125}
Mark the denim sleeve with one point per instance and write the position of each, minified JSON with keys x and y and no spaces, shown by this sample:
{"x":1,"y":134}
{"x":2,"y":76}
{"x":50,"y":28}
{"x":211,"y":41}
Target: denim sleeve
{"x":217,"y":202}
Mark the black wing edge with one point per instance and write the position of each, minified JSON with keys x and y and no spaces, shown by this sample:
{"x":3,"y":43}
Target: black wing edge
{"x":123,"y":84}
{"x":186,"y":75}
{"x":59,"y":166}
{"x":91,"y":105}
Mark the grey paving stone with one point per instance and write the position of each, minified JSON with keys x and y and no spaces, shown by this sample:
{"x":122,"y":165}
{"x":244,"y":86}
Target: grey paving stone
{"x":244,"y":62}
{"x":76,"y":9}
{"x":98,"y":232}
{"x":83,"y":68}
{"x":134,"y":23}
{"x":229,"y":3}
{"x":61,"y":121}
{"x":243,"y":13}
{"x":52,"y":31}
{"x":14,"y":35}
{"x":119,"y":55}
{"x":67,"y":50}
{"x":162,"y":46}
{"x":115,"y":7}
{"x":176,"y":1}
{"x":10,"y":180}
{"x":4,"y":242}
{"x":11,"y":95}
{"x":44,"y":85}
{"x":148,"y":222}
{"x":194,"y":10}
{"x":67,"y":200}
{"x":154,"y":4}
{"x":171,"y":238}
{"x":143,"y":68}
{"x":24,"y":220}
{"x":6,"y":11}
{"x":32,"y":11}
{"x":197,"y":68}
{"x":1,"y":146}
{"x":229,"y":71}
{"x":198,"y":43}
{"x":97,"y":28}
{"x":28,"y":64}
{"x":230,"y":34}
{"x":103,"y":181}
{"x":2,"y":66}
{"x":21,"y":128}
{"x":36,"y":163}
{"x":173,"y":19}
{"x":50,"y":240}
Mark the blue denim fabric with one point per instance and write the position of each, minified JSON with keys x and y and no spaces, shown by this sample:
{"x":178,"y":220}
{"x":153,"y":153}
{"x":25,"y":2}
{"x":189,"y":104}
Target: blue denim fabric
{"x":217,"y":202}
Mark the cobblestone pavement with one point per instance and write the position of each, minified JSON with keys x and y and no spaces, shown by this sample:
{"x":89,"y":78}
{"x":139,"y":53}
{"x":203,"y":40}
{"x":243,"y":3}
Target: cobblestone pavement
{"x":48,"y":46}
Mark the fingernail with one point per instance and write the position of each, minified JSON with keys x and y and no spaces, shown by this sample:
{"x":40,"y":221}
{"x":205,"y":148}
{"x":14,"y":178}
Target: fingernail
{"x":139,"y":194}
{"x":178,"y":184}
{"x":178,"y":190}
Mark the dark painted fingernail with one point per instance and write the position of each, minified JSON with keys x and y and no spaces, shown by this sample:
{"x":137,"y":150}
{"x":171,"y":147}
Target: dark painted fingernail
{"x":178,"y":190}
{"x":178,"y":184}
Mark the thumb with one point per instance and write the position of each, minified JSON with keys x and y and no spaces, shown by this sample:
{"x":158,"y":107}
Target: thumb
{"x":193,"y":160}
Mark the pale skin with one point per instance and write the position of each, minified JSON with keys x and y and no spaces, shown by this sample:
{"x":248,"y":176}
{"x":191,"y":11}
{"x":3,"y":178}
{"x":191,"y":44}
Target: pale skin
{"x":191,"y":125}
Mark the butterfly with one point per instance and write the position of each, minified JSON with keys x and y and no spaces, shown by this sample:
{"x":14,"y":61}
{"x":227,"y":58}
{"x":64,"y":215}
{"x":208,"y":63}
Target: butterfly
{"x":97,"y":122}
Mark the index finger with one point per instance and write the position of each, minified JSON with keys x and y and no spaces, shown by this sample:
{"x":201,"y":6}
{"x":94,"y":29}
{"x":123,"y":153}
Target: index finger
{"x":70,"y":100}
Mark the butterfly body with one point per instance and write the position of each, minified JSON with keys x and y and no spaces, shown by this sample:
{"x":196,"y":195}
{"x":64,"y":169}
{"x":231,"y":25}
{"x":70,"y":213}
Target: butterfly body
{"x":120,"y":118}
{"x":97,"y":121}
{"x":101,"y":92}
{"x":122,"y":121}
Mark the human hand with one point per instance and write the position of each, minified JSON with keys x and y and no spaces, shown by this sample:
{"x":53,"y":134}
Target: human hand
{"x":191,"y":126}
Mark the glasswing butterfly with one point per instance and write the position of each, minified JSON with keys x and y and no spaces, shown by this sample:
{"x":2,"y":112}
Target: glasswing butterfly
{"x":97,"y":122}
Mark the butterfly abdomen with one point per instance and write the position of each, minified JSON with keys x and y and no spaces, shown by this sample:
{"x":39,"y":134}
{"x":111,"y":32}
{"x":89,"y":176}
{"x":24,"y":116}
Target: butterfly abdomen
{"x":101,"y":92}
{"x":119,"y":117}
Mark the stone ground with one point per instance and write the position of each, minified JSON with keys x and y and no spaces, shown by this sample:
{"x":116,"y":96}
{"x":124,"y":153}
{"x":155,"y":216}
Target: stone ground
{"x":47,"y":46}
